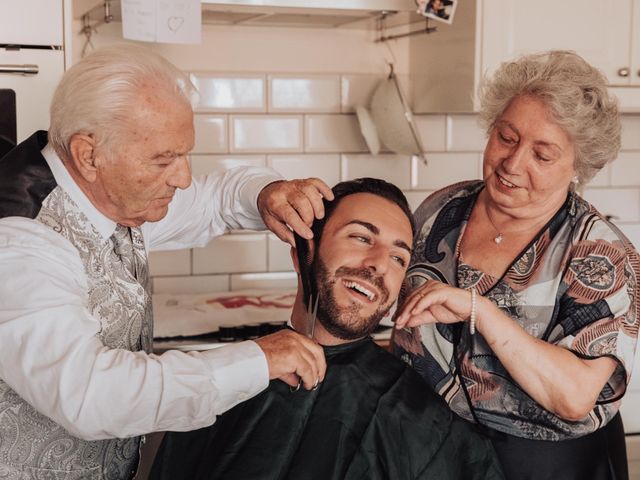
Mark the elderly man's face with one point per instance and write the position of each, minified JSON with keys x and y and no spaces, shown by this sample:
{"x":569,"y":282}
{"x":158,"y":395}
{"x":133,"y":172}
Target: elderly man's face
{"x":361,"y":262}
{"x":140,"y":177}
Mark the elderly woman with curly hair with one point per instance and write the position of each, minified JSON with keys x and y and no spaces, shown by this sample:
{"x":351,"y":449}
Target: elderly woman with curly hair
{"x":521,"y":310}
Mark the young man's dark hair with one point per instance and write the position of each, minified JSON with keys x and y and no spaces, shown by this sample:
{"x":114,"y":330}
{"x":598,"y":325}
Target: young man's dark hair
{"x":374,"y":186}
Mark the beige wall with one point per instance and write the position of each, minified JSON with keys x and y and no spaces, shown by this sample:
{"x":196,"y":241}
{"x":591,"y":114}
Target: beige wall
{"x":269,"y":49}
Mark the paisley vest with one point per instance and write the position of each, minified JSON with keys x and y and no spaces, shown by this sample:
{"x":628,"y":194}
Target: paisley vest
{"x":32,"y":445}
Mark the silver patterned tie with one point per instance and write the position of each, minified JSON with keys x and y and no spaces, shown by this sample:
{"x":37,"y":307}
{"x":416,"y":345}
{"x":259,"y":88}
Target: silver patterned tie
{"x":128,"y":244}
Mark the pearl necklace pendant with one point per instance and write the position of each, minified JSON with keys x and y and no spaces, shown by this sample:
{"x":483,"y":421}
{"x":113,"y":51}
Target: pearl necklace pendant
{"x":498,"y":239}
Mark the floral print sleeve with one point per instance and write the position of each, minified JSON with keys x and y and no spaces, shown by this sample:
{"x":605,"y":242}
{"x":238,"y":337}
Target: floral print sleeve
{"x":597,"y":313}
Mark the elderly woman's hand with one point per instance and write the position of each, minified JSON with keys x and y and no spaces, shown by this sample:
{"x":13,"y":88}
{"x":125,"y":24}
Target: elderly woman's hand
{"x":434,"y":302}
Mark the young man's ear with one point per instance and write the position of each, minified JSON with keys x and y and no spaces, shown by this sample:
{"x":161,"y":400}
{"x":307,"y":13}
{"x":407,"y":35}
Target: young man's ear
{"x":83,"y":149}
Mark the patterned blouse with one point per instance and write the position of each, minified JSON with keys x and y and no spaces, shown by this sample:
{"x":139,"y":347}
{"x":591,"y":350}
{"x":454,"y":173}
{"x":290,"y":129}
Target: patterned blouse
{"x":575,"y":285}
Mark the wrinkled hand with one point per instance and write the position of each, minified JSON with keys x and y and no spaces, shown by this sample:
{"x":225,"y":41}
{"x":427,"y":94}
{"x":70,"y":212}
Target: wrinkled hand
{"x":434,"y":302}
{"x":292,"y":356}
{"x":293,"y":204}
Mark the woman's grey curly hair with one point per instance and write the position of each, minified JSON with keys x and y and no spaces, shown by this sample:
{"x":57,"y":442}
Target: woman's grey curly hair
{"x":575,"y":94}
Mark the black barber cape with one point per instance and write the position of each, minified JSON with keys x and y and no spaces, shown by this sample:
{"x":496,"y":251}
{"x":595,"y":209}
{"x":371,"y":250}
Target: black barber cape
{"x":372,"y":418}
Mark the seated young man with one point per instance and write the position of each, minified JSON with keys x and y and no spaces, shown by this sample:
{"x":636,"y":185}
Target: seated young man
{"x":372,"y":416}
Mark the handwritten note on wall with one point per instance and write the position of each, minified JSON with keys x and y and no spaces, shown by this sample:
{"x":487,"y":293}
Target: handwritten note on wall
{"x":166,"y":21}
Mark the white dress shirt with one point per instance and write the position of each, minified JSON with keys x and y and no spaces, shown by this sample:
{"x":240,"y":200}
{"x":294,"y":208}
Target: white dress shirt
{"x":50,"y":354}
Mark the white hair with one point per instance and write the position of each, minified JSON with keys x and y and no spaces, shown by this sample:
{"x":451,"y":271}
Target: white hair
{"x":96,"y":95}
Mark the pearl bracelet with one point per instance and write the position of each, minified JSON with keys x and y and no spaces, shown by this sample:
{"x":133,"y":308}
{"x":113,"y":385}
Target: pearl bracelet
{"x":474,"y":314}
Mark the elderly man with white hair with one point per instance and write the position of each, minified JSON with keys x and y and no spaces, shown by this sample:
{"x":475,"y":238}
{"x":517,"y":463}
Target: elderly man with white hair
{"x":80,"y":207}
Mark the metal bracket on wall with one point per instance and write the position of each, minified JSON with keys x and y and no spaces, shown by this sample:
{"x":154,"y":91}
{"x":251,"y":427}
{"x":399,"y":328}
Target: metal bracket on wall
{"x":381,"y":29}
{"x":88,"y":29}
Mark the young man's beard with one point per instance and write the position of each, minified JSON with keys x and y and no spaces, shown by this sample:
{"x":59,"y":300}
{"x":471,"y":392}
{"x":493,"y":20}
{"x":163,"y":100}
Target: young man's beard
{"x":346,"y":323}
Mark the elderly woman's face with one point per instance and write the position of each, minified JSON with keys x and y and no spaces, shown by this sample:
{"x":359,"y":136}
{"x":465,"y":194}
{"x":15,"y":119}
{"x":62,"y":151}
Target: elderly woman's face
{"x":141,"y":178}
{"x":528,"y":160}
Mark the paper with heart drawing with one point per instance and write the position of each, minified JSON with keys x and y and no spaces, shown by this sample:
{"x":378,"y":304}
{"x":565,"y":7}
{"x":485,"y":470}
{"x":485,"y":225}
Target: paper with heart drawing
{"x":166,"y":21}
{"x":179,"y":21}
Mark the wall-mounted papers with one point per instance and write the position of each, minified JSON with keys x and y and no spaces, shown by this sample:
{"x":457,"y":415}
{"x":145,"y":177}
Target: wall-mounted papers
{"x":165,"y":21}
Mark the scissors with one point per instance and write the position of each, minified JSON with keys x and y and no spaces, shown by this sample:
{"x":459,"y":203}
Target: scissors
{"x":308,"y":290}
{"x":309,"y":329}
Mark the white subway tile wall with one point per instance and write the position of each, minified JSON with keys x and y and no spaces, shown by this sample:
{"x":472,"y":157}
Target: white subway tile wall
{"x":175,"y":262}
{"x":603,"y":177}
{"x":443,"y":169}
{"x":230,"y":93}
{"x":390,"y":167}
{"x":278,"y":254}
{"x":266,"y":133}
{"x":332,"y":133}
{"x":275,"y":280}
{"x":316,"y":93}
{"x":357,"y":90}
{"x":237,"y":253}
{"x":205,"y":164}
{"x":211,"y":134}
{"x":623,"y":204}
{"x":303,"y":125}
{"x":191,"y":284}
{"x":464,"y":134}
{"x":432,"y":131}
{"x":324,"y":166}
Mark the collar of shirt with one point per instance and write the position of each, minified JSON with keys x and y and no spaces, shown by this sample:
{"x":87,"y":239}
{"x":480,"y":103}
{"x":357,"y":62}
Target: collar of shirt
{"x":104,"y":225}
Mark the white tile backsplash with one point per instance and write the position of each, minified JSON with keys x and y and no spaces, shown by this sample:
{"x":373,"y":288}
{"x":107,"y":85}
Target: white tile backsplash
{"x":326,"y":167}
{"x":416,"y":197}
{"x":622,"y":203}
{"x":632,"y":232}
{"x":444,"y":169}
{"x":312,"y":93}
{"x":205,"y":164}
{"x":333,"y":134}
{"x":625,"y":170}
{"x":602,"y":178}
{"x":631,"y":132}
{"x":266,"y":133}
{"x":279,"y":254}
{"x":230,"y":93}
{"x":191,"y":284}
{"x":357,"y":90}
{"x":302,"y":124}
{"x":465,"y":134}
{"x":432,"y":131}
{"x":390,"y":167}
{"x":175,"y":262}
{"x":239,"y":253}
{"x":275,"y":280}
{"x":211,"y":134}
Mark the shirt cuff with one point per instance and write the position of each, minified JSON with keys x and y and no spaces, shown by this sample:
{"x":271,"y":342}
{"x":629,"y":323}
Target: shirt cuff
{"x":246,"y":373}
{"x":254,"y":187}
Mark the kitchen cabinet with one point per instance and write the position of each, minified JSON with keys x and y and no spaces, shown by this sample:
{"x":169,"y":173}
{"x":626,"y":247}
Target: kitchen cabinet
{"x":33,"y":91}
{"x":449,"y":64}
{"x":604,"y":33}
{"x":31,"y":61}
{"x":31,"y":22}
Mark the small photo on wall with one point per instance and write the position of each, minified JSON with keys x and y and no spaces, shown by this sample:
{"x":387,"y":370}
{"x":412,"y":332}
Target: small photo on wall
{"x":440,"y":10}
